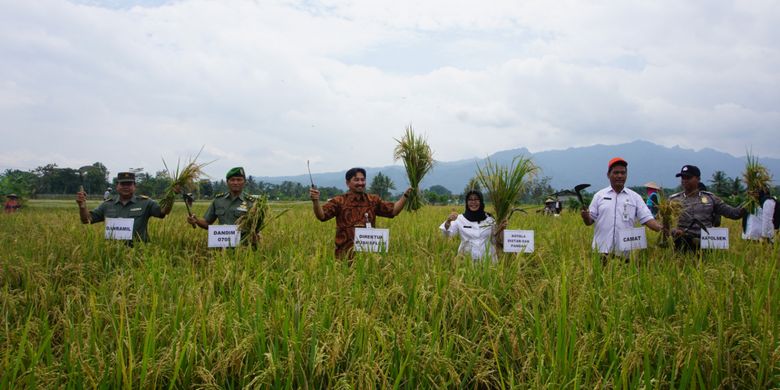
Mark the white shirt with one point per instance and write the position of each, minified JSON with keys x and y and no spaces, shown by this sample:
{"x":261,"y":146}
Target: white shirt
{"x":759,"y":224}
{"x":475,"y":238}
{"x":614,"y":211}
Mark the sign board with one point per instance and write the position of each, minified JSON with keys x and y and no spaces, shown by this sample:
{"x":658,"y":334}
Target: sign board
{"x":119,"y":228}
{"x":630,"y":239}
{"x":223,"y":236}
{"x":519,"y":241}
{"x":372,"y":240}
{"x":717,"y":238}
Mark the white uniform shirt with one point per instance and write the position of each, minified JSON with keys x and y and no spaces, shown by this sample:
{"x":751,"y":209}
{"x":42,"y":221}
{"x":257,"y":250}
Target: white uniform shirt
{"x":475,"y":238}
{"x":759,"y":224}
{"x":614,"y":211}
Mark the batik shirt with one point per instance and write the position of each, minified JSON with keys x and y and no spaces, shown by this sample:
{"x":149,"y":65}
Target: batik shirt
{"x":354,"y":210}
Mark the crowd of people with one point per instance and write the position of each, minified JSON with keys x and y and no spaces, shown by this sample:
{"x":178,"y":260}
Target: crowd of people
{"x":611,"y":209}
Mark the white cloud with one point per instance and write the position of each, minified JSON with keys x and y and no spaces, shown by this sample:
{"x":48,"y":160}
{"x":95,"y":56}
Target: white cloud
{"x":268,"y":85}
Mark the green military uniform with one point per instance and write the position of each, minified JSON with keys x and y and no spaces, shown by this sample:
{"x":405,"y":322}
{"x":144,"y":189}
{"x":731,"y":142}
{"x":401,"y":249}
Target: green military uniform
{"x":227,"y":209}
{"x":140,"y":208}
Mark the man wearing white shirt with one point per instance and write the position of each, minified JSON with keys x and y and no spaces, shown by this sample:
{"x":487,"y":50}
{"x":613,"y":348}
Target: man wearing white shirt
{"x":614,"y":208}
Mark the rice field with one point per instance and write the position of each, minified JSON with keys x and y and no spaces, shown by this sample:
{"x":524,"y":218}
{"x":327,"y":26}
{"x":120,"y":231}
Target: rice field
{"x":80,"y":312}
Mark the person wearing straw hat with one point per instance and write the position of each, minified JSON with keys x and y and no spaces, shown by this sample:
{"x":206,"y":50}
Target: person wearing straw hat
{"x":124,"y":205}
{"x":12,"y":203}
{"x":616,"y":207}
{"x":355,"y":208}
{"x":227,"y":207}
{"x":652,"y":197}
{"x":699,"y":209}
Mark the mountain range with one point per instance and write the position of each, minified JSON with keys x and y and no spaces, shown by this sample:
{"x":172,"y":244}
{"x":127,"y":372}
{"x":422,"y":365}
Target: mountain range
{"x":566,"y":168}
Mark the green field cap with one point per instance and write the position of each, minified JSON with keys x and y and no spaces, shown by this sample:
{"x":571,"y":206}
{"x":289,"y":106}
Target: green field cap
{"x":237,"y":171}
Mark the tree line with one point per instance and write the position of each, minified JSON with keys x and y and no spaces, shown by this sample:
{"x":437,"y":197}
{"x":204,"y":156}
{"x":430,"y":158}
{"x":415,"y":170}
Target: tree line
{"x":94,"y":179}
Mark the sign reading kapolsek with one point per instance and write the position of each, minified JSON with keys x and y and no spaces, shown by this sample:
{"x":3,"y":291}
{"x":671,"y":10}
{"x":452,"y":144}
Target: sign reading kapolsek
{"x":372,"y":240}
{"x":519,"y":241}
{"x":224,"y":236}
{"x":717,"y":238}
{"x":631,"y":239}
{"x":119,"y":228}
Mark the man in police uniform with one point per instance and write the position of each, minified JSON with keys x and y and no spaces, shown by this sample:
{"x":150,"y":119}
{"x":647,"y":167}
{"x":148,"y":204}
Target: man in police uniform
{"x":699,"y":208}
{"x":124,"y":205}
{"x":228,"y":207}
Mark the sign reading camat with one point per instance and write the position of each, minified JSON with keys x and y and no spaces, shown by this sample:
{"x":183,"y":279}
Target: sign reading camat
{"x":223,"y":236}
{"x":631,"y":239}
{"x":119,"y":228}
{"x":717,"y":238}
{"x":371,"y":240}
{"x":519,"y":241}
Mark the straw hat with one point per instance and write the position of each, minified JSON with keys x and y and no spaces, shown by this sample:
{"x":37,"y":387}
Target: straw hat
{"x":651,"y":184}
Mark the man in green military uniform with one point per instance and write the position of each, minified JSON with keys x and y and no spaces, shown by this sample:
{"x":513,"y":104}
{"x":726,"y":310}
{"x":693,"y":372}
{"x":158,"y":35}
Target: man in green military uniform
{"x":228,"y":207}
{"x":124,"y":205}
{"x":699,"y":209}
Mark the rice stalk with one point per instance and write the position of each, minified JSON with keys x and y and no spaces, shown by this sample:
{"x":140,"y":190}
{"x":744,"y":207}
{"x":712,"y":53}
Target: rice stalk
{"x":417,"y":157}
{"x":258,"y":216}
{"x":757,"y":178}
{"x":182,"y":180}
{"x":504,"y":185}
{"x":668,"y":213}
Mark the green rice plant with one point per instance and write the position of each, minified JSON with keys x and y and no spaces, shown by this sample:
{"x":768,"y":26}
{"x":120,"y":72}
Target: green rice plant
{"x":182,"y":180}
{"x":417,"y":157}
{"x":757,"y":178}
{"x":504,"y":185}
{"x":80,"y":311}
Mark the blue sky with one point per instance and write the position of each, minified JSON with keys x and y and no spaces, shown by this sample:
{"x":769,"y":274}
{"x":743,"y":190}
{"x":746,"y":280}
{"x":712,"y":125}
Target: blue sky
{"x":271,"y":84}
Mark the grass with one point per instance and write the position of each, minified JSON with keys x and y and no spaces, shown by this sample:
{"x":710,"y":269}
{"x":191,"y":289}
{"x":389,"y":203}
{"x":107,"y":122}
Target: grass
{"x":78,"y":311}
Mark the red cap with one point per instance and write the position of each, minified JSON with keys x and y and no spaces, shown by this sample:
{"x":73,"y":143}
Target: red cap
{"x":615,"y":161}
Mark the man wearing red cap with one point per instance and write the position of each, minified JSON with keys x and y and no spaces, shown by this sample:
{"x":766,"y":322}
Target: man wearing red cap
{"x":616,"y":207}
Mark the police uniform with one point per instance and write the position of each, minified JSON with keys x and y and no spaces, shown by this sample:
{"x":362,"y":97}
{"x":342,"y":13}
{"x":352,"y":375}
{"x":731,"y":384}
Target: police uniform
{"x":704,"y":206}
{"x":139,"y":208}
{"x":227,"y":209}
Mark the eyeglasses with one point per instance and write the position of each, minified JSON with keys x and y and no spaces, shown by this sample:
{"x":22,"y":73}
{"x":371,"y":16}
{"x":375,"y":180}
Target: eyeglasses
{"x":127,"y":183}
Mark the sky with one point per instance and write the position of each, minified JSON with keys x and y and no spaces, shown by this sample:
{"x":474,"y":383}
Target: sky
{"x":270,"y":84}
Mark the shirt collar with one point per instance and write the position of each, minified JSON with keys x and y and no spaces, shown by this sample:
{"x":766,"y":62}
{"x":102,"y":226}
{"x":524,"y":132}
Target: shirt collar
{"x":119,"y":199}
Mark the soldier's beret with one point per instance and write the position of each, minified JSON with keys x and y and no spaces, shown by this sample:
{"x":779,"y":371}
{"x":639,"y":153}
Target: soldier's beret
{"x":237,"y":171}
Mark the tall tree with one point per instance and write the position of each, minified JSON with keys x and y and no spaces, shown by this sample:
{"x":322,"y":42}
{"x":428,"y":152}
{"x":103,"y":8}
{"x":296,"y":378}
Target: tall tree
{"x":721,"y":184}
{"x":381,"y":185}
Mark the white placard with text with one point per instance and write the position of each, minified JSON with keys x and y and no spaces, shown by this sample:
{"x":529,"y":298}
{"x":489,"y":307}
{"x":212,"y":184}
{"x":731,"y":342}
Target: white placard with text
{"x":224,"y":236}
{"x":372,"y":240}
{"x":717,"y":238}
{"x":632,"y":238}
{"x":119,"y":228}
{"x":519,"y":241}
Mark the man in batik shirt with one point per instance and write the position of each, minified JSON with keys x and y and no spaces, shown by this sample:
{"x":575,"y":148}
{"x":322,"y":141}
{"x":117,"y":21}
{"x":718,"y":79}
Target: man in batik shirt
{"x":354,"y":209}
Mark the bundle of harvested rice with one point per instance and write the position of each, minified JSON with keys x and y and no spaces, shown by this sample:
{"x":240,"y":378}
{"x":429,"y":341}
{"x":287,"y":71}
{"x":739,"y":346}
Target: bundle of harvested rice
{"x":418,"y":160}
{"x":668,"y":213}
{"x":183,"y":180}
{"x":258,"y":216}
{"x":757,"y":179}
{"x":504,"y":185}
